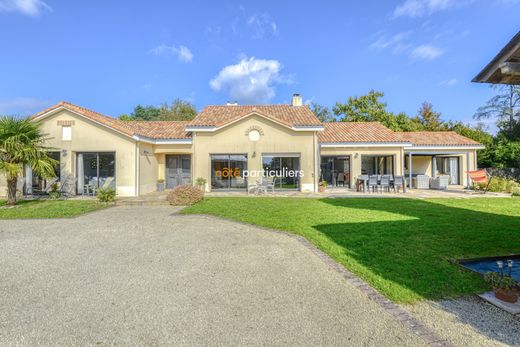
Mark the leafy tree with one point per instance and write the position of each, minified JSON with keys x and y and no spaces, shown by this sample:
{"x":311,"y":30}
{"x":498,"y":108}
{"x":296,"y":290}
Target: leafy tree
{"x":179,"y":110}
{"x":22,"y":143}
{"x":505,"y":108}
{"x":143,"y":113}
{"x":429,"y":119}
{"x":365,"y":108}
{"x":322,"y":112}
{"x":369,"y":108}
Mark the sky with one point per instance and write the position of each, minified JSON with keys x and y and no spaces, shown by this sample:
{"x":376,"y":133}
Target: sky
{"x":112,"y":55}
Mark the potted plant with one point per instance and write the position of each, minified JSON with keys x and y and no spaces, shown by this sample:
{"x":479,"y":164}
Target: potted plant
{"x":505,"y":288}
{"x":201,"y":183}
{"x":54,"y":192}
{"x":322,"y":186}
{"x":160,"y":185}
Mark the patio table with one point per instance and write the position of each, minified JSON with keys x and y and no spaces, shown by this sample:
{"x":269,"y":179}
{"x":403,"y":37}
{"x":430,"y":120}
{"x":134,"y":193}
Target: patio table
{"x":365,"y":182}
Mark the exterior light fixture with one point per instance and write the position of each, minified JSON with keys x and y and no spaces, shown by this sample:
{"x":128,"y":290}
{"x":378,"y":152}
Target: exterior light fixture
{"x":64,"y":152}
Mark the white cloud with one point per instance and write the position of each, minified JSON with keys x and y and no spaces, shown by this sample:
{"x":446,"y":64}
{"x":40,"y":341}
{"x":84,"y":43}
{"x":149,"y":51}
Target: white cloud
{"x":22,"y":105}
{"x":250,"y":81}
{"x":449,"y":82}
{"x":422,"y":8}
{"x":261,"y":26}
{"x":426,"y":52}
{"x":397,"y":43}
{"x":32,"y":8}
{"x":182,"y":52}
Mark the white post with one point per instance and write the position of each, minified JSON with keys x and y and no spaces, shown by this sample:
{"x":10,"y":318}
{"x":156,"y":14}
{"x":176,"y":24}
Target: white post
{"x":410,"y":170}
{"x":434,"y":167}
{"x":28,"y":180}
{"x":467,"y":169}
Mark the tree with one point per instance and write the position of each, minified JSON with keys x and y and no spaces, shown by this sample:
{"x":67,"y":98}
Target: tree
{"x":365,"y":108}
{"x":429,"y":119}
{"x":368,"y":108}
{"x":22,"y":143}
{"x":179,"y":110}
{"x":322,"y":112}
{"x":505,"y":108}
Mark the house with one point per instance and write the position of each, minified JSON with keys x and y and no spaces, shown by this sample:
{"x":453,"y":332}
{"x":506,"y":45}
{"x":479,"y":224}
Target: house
{"x":504,"y":68}
{"x":231,"y":146}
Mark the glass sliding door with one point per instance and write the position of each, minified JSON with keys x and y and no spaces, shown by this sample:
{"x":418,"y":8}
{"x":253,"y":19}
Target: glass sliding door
{"x":448,"y":166}
{"x":377,"y":165}
{"x":95,"y":170}
{"x":335,"y":170}
{"x":227,"y":171}
{"x":286,"y":170}
{"x":178,"y":170}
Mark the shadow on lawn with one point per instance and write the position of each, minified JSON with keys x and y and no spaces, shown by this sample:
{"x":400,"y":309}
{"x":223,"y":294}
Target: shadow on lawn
{"x":415,"y":253}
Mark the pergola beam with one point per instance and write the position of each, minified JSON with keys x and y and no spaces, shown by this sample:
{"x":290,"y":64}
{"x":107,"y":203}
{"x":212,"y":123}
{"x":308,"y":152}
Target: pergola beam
{"x":511,"y":69}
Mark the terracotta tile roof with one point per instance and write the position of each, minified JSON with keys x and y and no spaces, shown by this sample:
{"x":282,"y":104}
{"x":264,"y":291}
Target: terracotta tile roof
{"x":161,"y":129}
{"x":156,"y":130}
{"x":436,"y":138}
{"x":363,"y":132}
{"x":285,"y":114}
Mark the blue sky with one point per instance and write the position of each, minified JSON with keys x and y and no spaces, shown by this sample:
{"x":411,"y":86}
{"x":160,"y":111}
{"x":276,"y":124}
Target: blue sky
{"x":112,"y":55}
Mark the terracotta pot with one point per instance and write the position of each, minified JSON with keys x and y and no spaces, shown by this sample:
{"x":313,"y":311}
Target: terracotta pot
{"x":321,"y":189}
{"x":506,"y":295}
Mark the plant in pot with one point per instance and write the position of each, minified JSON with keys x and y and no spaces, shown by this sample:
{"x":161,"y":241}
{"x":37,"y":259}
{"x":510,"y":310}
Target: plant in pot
{"x":505,"y":287}
{"x":322,"y":186}
{"x":160,"y":185}
{"x":200,"y":182}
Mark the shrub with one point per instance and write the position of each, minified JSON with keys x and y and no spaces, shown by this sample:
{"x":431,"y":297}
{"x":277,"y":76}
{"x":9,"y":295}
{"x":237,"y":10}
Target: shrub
{"x":185,"y":195}
{"x":515,"y":191}
{"x":497,"y":280}
{"x":54,"y":192}
{"x":503,"y":185}
{"x":106,"y":195}
{"x":200,"y":182}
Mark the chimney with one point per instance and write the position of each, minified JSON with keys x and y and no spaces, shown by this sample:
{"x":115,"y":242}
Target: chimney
{"x":296,"y":100}
{"x":231,"y":103}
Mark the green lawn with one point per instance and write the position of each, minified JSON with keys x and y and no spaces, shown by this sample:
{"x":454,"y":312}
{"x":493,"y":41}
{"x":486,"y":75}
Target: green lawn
{"x":48,"y":208}
{"x":402,"y":247}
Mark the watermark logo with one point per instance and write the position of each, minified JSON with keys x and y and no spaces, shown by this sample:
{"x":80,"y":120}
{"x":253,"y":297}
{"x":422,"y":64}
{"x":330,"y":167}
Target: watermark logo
{"x":237,"y":172}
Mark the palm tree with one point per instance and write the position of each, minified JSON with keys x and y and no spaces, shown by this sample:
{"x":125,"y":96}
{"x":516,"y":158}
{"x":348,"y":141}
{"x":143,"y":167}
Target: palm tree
{"x":22,"y":143}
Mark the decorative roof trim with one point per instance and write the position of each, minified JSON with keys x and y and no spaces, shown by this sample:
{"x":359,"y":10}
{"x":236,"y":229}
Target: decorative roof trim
{"x":162,"y":141}
{"x":440,"y":147}
{"x":212,"y":128}
{"x":365,"y":144}
{"x":62,"y":107}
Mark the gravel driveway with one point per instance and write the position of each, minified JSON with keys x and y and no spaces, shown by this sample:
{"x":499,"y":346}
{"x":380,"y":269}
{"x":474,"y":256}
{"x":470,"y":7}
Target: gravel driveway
{"x":146,"y":276}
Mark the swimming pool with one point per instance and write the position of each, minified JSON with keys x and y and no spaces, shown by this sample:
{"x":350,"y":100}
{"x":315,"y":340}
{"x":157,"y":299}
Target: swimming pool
{"x":483,"y":265}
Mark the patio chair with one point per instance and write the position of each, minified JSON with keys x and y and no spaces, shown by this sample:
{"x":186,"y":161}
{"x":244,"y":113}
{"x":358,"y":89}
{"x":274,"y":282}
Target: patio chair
{"x":372,"y":183}
{"x":49,"y":185}
{"x":440,"y":182}
{"x":270,"y":184}
{"x":68,"y":186}
{"x":341,"y":179}
{"x":398,"y":183}
{"x":385,"y":183}
{"x":480,"y":178}
{"x":361,"y":183}
{"x":422,"y":182}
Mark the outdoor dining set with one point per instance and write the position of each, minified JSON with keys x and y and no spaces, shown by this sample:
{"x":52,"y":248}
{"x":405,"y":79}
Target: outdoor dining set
{"x":380,"y":183}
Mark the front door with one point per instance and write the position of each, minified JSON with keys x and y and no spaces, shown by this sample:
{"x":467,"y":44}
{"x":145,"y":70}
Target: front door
{"x":178,"y":170}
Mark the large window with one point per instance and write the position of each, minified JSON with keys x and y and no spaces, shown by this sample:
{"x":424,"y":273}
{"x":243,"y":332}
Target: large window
{"x":227,"y":171}
{"x":377,"y":165}
{"x":95,"y":170}
{"x":286,"y":170}
{"x":335,"y":170}
{"x":448,"y":166}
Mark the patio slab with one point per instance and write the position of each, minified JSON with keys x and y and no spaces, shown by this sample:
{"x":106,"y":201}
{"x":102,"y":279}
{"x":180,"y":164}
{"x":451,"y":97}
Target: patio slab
{"x":506,"y":306}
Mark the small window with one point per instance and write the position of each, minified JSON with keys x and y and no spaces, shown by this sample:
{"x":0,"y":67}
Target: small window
{"x":66,"y":133}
